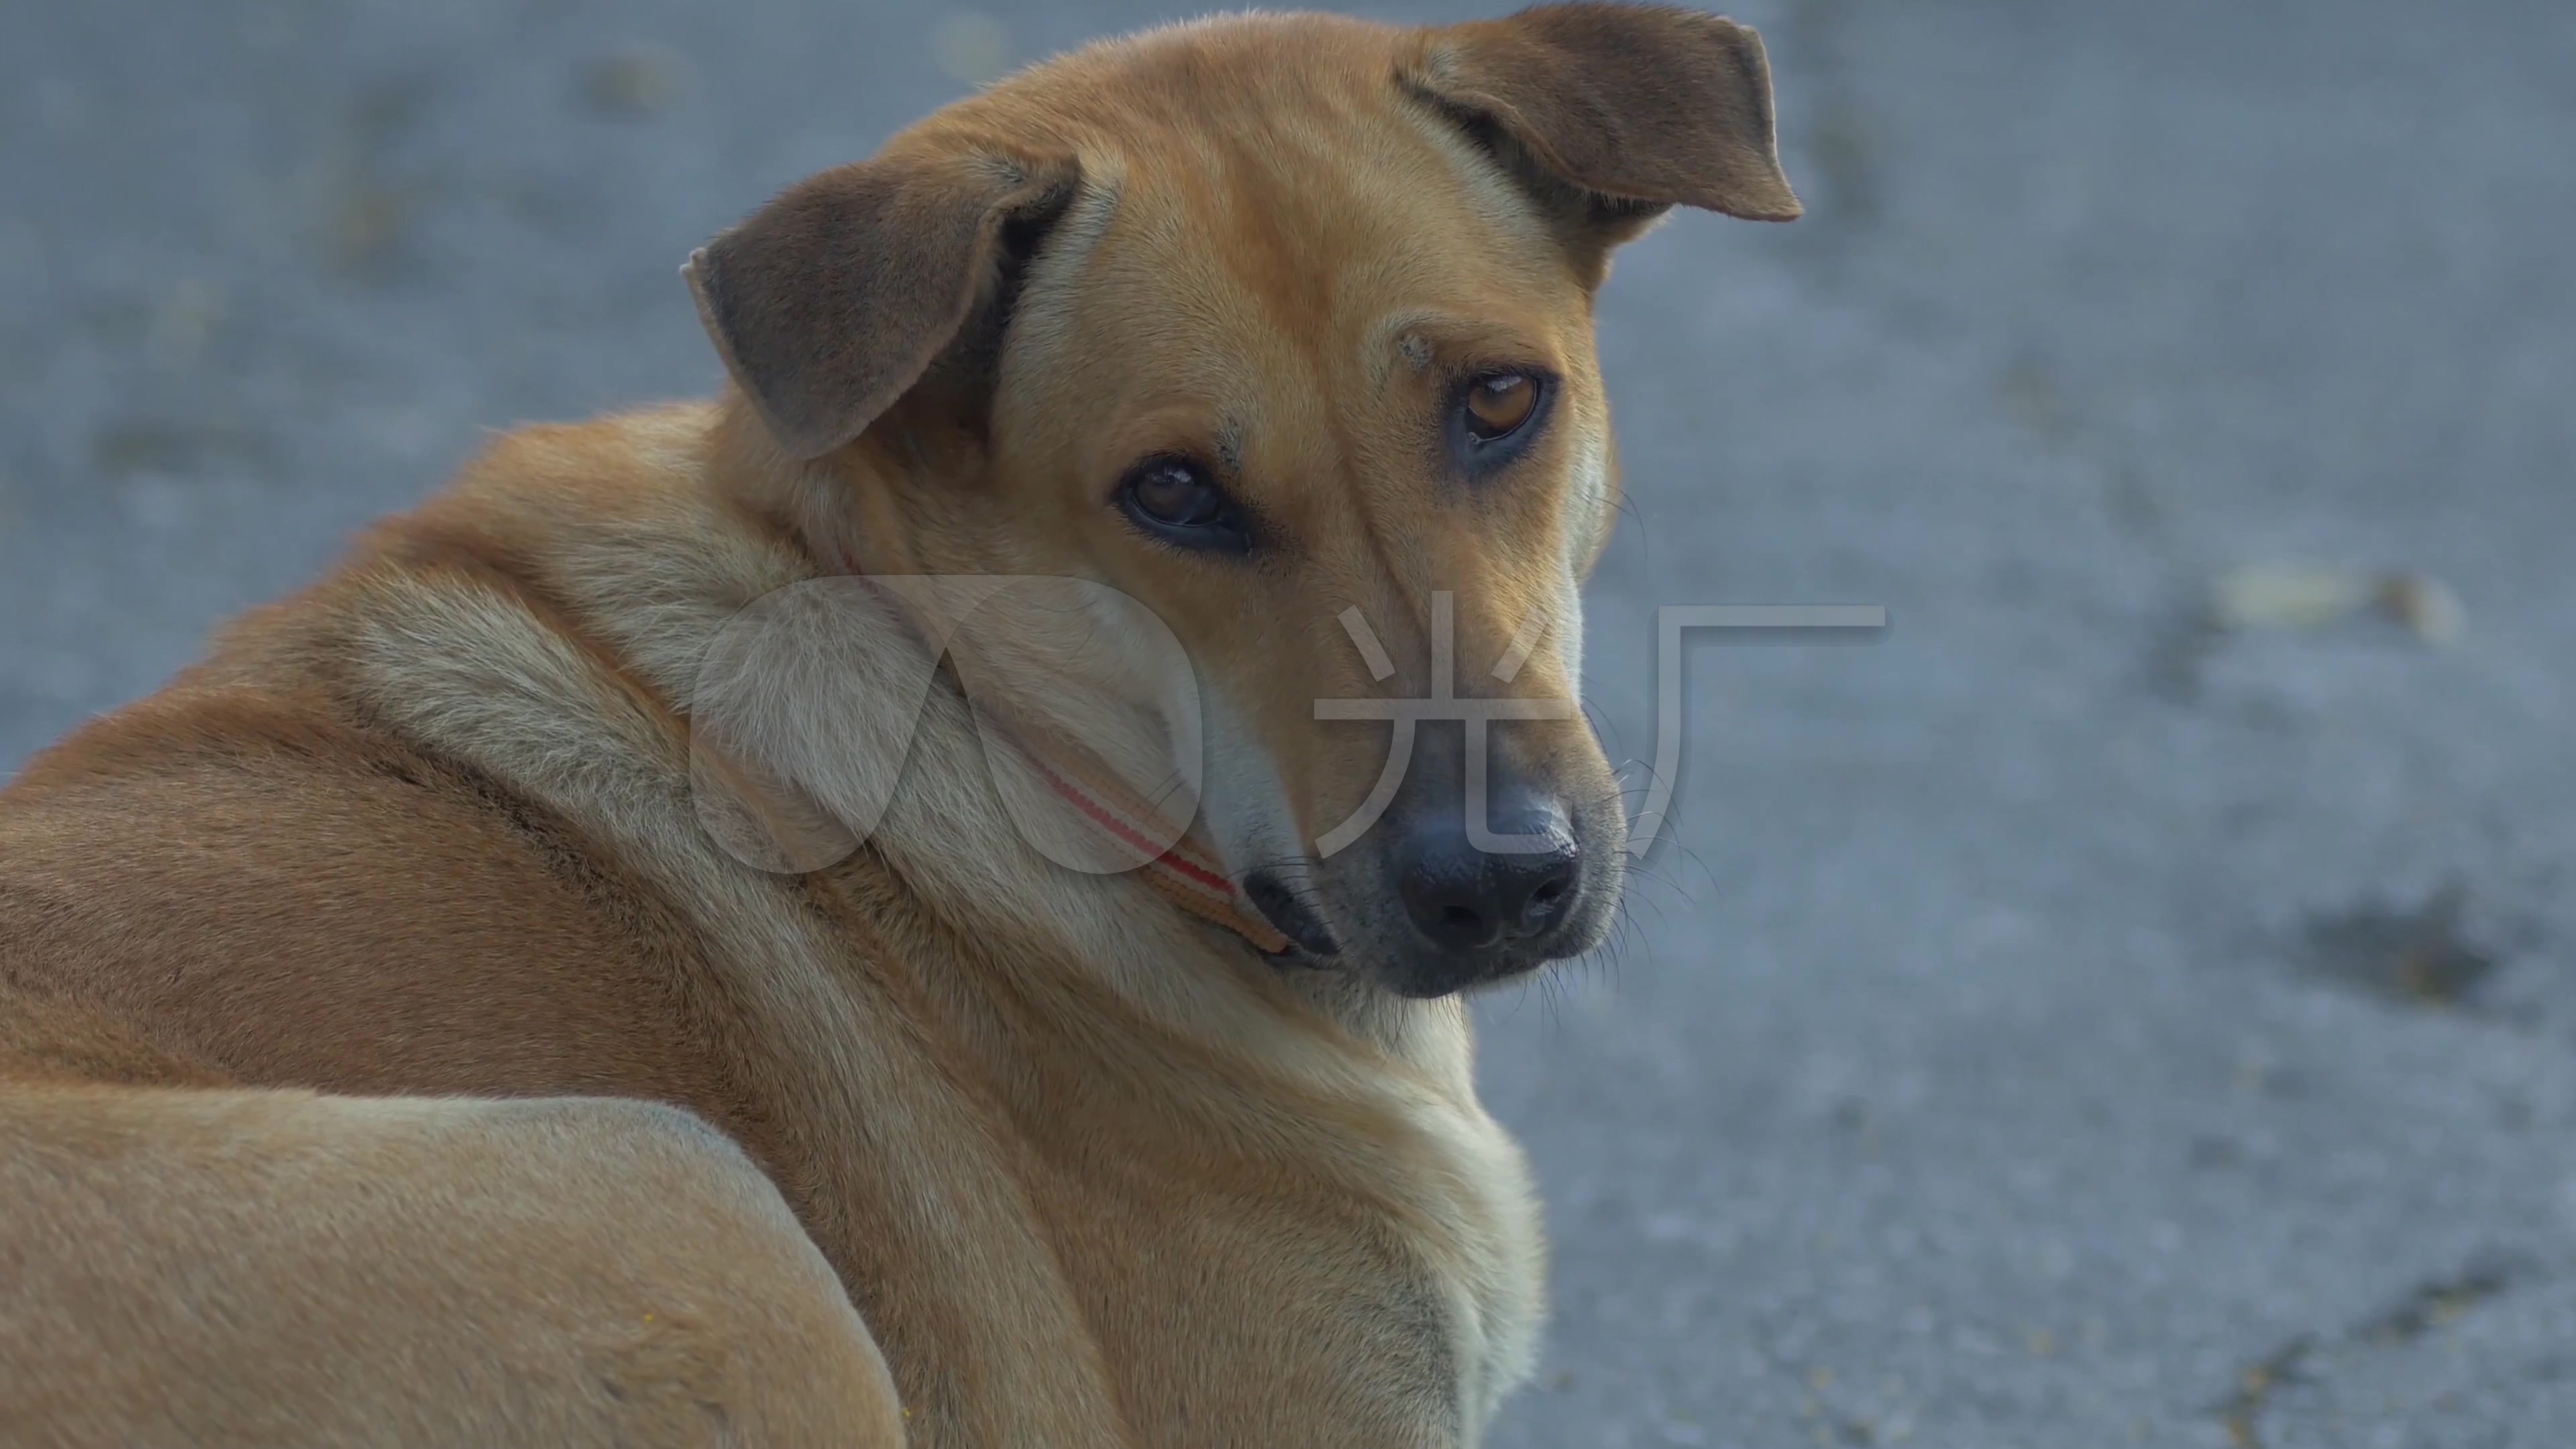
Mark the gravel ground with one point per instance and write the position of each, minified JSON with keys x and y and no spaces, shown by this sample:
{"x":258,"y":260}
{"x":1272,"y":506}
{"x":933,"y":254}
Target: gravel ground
{"x":2055,"y":1024}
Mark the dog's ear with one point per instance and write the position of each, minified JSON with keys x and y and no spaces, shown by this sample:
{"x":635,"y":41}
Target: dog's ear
{"x":829,"y":303}
{"x":1615,"y":112}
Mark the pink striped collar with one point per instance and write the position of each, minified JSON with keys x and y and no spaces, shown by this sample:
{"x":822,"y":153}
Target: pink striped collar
{"x":1188,"y":872}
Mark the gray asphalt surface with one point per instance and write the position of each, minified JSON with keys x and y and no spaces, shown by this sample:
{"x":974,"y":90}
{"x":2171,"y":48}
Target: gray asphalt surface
{"x":2054,"y":1024}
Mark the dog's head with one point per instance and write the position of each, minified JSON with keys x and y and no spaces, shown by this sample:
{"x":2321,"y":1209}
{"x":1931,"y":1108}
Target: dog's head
{"x":1282,"y":327}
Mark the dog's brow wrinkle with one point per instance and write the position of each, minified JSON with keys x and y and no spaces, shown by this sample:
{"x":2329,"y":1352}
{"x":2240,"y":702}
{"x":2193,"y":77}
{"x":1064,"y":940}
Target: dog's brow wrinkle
{"x":1398,"y":334}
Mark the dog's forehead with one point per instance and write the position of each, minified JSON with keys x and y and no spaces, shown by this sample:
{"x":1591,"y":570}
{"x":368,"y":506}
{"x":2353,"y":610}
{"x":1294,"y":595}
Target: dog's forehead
{"x":1286,"y":150}
{"x":1214,"y":67}
{"x":1263,"y":197}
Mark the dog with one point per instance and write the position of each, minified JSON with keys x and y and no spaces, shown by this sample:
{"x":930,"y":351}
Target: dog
{"x":502,"y":996}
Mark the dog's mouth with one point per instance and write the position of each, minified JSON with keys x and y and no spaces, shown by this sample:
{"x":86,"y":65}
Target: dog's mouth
{"x":1310,"y":941}
{"x":1398,"y":952}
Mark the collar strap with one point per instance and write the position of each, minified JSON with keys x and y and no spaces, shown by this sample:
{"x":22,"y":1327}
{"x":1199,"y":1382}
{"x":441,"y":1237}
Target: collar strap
{"x":1188,"y":874}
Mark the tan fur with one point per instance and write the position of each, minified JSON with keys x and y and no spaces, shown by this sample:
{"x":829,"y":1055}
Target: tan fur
{"x":275,"y":943}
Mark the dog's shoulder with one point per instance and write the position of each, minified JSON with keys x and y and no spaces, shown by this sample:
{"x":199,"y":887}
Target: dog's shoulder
{"x":324,"y":851}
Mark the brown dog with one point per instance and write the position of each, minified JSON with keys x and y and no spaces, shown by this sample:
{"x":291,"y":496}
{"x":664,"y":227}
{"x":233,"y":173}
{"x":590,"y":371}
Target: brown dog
{"x":367,"y":997}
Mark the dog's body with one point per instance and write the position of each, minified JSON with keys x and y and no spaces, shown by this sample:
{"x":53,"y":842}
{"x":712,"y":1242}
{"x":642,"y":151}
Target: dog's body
{"x":429,"y":830}
{"x":432,"y":834}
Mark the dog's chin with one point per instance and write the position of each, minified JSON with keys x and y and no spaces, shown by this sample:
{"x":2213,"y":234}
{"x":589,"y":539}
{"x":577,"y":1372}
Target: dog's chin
{"x":1366,"y":934}
{"x":1430,"y":975}
{"x":1396,"y":960}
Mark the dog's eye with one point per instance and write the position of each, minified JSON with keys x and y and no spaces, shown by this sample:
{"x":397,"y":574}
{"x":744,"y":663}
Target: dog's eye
{"x":1175,"y":500}
{"x":1174,"y":494}
{"x":1499,"y":403}
{"x":1495,"y":418}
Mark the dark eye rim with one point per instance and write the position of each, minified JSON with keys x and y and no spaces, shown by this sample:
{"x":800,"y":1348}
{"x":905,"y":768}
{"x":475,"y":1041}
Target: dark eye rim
{"x":1477,"y":456}
{"x":1230,"y":531}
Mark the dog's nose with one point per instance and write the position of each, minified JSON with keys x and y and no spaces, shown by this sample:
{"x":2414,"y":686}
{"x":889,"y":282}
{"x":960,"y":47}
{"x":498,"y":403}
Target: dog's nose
{"x":1464,"y":899}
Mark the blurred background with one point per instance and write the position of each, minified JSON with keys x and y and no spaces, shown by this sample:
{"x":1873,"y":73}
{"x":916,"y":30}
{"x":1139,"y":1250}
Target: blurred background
{"x":2133,"y":1002}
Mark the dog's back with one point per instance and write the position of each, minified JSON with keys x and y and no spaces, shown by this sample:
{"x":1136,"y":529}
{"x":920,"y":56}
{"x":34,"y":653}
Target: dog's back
{"x":246,"y":880}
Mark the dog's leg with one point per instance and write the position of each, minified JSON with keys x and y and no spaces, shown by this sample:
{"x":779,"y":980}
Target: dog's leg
{"x":279,"y":1268}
